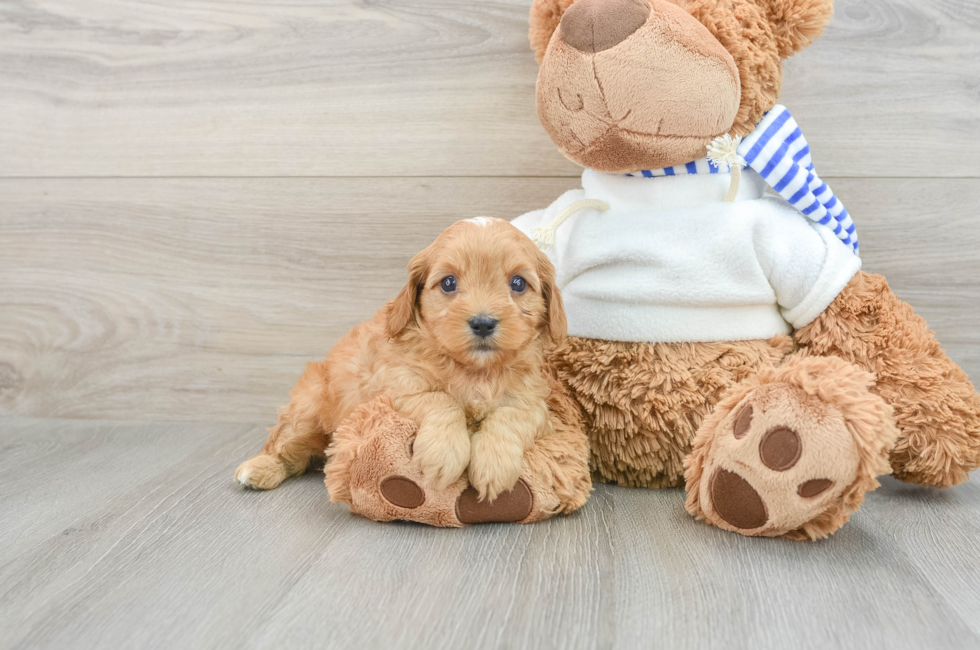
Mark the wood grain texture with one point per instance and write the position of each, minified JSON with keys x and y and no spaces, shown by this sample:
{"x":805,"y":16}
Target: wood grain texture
{"x":421,"y":88}
{"x":203,"y":298}
{"x":134,"y":535}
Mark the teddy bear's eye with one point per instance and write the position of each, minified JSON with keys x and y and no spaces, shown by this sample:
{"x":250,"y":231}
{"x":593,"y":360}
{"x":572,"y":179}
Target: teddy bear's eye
{"x":448,"y":284}
{"x":518,"y":284}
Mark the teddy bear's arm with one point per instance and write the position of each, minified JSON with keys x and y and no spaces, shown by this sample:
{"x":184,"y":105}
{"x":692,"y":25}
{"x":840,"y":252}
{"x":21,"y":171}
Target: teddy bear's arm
{"x":936,"y":407}
{"x":804,"y":262}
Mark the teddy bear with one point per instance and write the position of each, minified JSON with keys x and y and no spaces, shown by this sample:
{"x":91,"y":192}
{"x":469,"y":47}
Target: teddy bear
{"x":723,"y":336}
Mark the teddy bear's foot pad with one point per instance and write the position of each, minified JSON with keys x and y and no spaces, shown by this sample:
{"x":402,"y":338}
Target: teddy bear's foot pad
{"x":770,"y":477}
{"x":791,"y":455}
{"x":737,"y":502}
{"x":515,"y":505}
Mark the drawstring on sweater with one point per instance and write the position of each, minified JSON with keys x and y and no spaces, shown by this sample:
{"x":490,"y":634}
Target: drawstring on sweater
{"x":545,"y":236}
{"x":724,"y":150}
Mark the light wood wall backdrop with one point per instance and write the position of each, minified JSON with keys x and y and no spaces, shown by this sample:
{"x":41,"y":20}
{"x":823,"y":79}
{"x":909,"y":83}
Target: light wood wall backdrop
{"x":199,"y":196}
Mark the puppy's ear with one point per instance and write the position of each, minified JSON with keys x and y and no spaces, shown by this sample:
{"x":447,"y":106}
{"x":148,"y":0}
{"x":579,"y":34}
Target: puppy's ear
{"x":554,"y":316}
{"x":404,"y":308}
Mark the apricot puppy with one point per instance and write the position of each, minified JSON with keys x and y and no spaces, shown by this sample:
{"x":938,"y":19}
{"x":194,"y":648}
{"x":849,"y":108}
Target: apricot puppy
{"x":461,"y":351}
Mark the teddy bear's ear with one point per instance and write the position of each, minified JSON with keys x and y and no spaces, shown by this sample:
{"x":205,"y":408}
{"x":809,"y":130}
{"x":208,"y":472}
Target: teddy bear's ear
{"x":795,"y":23}
{"x":545,"y":16}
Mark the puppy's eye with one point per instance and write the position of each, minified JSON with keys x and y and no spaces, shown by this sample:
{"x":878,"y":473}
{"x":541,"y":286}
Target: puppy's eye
{"x":448,"y":284}
{"x":518,"y":284}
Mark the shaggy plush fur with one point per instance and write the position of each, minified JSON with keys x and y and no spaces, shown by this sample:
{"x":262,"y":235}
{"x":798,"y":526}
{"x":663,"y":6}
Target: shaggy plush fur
{"x":837,"y":388}
{"x":937,"y":409}
{"x":643,"y":403}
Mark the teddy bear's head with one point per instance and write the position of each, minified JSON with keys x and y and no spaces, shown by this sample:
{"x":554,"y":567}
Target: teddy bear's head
{"x":626,"y":85}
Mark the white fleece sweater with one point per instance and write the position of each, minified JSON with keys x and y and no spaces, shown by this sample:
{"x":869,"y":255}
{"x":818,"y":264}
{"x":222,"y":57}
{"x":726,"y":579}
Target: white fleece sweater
{"x":670,"y":261}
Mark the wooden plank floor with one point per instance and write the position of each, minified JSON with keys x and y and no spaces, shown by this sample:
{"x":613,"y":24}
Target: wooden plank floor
{"x":128,"y":535}
{"x":199,"y":196}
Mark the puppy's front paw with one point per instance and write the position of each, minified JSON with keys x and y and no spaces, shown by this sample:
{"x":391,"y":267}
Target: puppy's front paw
{"x":494,"y":468}
{"x":441,"y":456}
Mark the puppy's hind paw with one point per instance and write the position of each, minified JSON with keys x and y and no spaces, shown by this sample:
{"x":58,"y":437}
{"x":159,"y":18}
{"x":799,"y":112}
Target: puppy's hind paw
{"x":262,"y":472}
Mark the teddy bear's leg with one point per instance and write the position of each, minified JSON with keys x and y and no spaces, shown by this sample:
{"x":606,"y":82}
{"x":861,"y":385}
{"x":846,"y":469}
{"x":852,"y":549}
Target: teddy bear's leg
{"x":369,"y":467}
{"x":936,"y":407}
{"x":642,"y":403}
{"x":791,"y":451}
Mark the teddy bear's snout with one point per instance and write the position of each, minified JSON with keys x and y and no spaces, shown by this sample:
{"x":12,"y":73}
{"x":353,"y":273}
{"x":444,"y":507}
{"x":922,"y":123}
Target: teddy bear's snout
{"x":622,"y":87}
{"x":596,"y":25}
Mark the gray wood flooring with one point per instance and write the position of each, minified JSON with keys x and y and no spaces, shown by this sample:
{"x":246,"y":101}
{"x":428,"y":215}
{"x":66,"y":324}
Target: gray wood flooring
{"x":199,"y":196}
{"x":129,"y":535}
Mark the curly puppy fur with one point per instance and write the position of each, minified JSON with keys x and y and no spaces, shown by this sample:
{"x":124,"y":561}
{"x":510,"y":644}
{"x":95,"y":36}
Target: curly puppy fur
{"x":835,"y":382}
{"x":480,"y":400}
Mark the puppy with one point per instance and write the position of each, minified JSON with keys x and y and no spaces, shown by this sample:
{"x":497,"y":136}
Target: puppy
{"x":461,"y":351}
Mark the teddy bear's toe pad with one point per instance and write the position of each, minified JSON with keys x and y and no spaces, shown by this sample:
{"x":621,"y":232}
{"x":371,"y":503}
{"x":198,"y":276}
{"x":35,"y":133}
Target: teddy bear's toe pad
{"x":736,"y":501}
{"x":780,"y":449}
{"x":402,"y":492}
{"x":813,"y":487}
{"x":515,"y":505}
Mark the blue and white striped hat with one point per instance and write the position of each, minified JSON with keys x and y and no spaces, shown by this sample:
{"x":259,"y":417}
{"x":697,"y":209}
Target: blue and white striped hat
{"x":777,"y":150}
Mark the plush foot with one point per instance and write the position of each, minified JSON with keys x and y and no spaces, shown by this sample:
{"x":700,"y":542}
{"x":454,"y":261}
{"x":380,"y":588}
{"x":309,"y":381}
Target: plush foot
{"x":370,"y":468}
{"x":792,"y":451}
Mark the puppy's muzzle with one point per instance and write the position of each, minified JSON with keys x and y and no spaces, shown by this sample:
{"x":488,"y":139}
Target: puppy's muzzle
{"x":483,"y":325}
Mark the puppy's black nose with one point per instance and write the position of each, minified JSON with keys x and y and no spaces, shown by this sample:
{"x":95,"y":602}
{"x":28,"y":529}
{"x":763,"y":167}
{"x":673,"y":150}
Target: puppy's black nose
{"x":483,"y":326}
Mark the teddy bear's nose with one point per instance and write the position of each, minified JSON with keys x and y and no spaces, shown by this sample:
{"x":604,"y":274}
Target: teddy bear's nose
{"x":597,"y":25}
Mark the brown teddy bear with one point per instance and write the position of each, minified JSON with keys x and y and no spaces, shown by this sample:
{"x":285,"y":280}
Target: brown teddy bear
{"x":723,"y":332}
